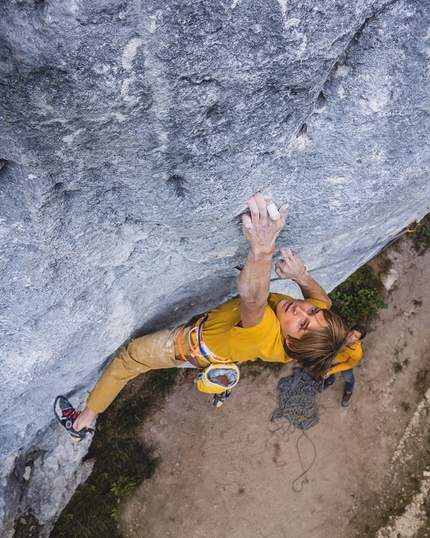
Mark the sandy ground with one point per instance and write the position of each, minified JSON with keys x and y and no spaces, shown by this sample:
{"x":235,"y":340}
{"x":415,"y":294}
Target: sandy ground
{"x":223,"y":474}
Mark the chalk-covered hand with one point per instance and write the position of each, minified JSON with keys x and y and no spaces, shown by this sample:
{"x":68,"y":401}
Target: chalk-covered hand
{"x":262,"y":226}
{"x":290,"y":265}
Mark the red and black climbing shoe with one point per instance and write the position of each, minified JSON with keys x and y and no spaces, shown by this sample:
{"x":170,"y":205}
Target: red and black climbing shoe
{"x":66,"y":415}
{"x":219,"y":399}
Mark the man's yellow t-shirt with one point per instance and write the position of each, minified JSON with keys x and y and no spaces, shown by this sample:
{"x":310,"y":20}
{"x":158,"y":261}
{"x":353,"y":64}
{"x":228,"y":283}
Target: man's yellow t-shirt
{"x":224,"y":337}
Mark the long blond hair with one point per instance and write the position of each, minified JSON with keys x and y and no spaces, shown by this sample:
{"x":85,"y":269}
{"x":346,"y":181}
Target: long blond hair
{"x":316,"y":349}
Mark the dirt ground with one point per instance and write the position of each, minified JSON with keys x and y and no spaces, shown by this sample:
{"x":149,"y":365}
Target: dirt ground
{"x":223,"y":474}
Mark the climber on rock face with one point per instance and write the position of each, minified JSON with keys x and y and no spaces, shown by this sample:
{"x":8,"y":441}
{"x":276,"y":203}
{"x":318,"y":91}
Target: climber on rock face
{"x":258,"y":324}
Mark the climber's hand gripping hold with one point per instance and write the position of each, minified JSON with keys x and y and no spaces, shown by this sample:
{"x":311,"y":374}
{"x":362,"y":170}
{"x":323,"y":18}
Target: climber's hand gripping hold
{"x":290,"y":265}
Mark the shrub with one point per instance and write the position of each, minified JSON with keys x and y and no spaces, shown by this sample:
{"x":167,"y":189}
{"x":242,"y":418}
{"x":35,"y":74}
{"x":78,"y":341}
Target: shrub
{"x":359,"y":297}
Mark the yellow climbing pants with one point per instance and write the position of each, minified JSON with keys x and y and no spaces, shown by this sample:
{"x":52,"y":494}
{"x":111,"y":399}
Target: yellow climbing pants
{"x":150,"y":352}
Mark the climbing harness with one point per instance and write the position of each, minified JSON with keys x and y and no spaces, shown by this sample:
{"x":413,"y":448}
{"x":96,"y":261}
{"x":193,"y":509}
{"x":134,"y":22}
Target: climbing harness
{"x":299,"y":407}
{"x":215,"y":366}
{"x":199,"y":349}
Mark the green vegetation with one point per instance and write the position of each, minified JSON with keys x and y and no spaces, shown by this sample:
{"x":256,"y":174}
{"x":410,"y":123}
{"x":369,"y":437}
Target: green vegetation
{"x":359,"y":297}
{"x":421,"y":236}
{"x":121,"y":461}
{"x":417,"y":302}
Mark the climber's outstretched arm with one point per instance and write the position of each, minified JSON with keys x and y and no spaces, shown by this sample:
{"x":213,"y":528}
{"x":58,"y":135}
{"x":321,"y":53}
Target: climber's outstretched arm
{"x":291,"y":266}
{"x":261,"y":230}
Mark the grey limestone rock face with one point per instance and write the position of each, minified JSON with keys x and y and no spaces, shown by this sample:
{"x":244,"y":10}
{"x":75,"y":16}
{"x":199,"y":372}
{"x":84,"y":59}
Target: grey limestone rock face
{"x":132,"y":134}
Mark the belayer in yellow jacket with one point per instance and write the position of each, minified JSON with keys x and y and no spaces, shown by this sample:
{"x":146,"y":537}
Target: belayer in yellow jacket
{"x":345,"y":361}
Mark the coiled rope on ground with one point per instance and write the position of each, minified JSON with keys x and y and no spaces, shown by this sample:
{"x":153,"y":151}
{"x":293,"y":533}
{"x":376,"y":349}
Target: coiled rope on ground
{"x":299,"y":407}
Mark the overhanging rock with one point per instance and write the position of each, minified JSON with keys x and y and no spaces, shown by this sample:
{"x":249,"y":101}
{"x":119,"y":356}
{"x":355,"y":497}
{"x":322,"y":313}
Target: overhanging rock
{"x":131,"y":136}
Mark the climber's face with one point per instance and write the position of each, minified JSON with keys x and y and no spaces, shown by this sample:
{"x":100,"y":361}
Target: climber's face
{"x":299,"y":317}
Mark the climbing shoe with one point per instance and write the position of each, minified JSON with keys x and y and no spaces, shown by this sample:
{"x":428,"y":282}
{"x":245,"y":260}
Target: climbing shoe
{"x":66,"y":415}
{"x":219,"y":399}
